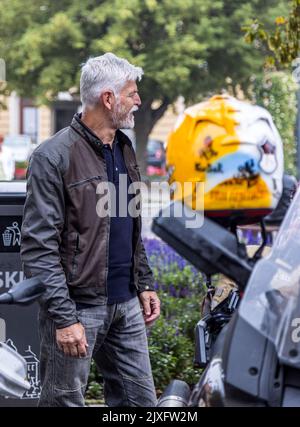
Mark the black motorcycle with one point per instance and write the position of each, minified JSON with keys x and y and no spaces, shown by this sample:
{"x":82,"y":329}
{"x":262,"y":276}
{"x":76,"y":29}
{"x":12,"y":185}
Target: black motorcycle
{"x":249,"y":348}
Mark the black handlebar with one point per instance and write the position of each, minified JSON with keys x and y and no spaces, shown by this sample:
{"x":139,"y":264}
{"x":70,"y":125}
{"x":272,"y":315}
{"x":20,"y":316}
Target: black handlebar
{"x":24,"y":293}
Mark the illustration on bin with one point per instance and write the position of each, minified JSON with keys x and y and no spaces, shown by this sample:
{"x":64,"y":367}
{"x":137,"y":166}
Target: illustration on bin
{"x":12,"y":235}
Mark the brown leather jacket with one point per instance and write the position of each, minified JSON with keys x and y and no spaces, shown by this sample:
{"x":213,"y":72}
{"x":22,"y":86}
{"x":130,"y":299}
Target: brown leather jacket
{"x":64,"y":241}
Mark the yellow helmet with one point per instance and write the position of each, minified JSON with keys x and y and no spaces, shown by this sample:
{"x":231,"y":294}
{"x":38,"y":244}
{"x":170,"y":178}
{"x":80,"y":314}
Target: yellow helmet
{"x":235,"y":149}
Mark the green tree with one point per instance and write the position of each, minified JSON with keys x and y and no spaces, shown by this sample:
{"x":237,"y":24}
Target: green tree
{"x":283,"y":41}
{"x":185,"y":48}
{"x":276,"y":91}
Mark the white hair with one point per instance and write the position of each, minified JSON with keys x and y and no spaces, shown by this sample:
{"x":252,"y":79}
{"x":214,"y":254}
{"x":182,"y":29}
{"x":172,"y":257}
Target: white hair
{"x":105,"y":72}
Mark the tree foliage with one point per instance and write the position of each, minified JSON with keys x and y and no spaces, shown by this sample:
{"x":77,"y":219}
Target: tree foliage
{"x":276,"y":91}
{"x":284,"y":40}
{"x":185,"y":47}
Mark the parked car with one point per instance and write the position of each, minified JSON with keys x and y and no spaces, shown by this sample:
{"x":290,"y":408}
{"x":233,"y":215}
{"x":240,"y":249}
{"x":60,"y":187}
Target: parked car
{"x":156,"y":157}
{"x":21,"y":147}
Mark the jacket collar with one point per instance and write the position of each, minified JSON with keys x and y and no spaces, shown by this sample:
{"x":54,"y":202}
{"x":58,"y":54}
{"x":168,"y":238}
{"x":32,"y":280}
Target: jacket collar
{"x":86,"y":133}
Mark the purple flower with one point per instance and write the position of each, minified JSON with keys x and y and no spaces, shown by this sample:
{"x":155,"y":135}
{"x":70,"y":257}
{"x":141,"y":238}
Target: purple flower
{"x":184,"y":292}
{"x":156,"y":286}
{"x":174,"y":275}
{"x":172,"y":291}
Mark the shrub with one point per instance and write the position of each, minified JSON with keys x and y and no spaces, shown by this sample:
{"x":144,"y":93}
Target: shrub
{"x":171,"y":339}
{"x":21,"y":164}
{"x":276,"y":91}
{"x":94,"y":391}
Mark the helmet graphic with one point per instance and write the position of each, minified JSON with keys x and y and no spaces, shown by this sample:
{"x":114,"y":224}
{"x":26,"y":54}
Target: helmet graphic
{"x":235,"y":150}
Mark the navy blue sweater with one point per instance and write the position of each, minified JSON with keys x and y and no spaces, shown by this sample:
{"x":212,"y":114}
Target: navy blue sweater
{"x":120,"y":285}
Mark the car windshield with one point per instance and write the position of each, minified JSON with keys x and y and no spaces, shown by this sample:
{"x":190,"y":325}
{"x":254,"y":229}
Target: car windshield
{"x":271,"y":303}
{"x":16,"y":141}
{"x":153,"y":145}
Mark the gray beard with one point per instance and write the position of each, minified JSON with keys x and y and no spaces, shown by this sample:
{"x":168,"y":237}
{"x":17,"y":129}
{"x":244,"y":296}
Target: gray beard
{"x":127,"y":123}
{"x":121,"y":122}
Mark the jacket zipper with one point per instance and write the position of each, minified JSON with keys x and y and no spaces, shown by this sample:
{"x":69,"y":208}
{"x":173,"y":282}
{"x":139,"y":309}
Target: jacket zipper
{"x":74,"y":256}
{"x":107,"y":239}
{"x":137,"y":170}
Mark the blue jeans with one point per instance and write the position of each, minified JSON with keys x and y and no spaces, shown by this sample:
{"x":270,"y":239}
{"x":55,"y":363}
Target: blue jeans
{"x":117,"y":340}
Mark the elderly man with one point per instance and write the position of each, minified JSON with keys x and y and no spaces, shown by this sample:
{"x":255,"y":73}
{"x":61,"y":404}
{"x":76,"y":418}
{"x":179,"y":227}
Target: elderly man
{"x":100,"y":293}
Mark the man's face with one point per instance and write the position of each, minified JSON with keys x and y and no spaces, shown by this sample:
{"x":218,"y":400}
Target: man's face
{"x":127,"y":102}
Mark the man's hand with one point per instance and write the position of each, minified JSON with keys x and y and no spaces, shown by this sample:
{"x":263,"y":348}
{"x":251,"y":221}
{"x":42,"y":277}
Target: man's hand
{"x":151,"y":306}
{"x":72,"y":341}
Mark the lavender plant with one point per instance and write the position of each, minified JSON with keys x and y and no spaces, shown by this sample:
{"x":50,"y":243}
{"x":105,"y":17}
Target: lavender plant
{"x":171,"y":339}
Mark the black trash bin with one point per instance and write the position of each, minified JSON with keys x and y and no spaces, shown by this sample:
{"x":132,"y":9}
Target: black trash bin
{"x":18,"y":325}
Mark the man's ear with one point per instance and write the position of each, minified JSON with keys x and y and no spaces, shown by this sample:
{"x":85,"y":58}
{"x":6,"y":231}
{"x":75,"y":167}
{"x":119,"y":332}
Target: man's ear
{"x":108,"y":99}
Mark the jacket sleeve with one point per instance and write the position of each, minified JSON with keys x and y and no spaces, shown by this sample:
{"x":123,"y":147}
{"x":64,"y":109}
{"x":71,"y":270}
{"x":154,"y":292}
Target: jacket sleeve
{"x":145,"y":275}
{"x":43,"y":221}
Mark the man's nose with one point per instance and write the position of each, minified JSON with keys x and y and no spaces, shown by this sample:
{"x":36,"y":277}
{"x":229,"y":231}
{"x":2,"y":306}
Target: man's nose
{"x":137,"y":100}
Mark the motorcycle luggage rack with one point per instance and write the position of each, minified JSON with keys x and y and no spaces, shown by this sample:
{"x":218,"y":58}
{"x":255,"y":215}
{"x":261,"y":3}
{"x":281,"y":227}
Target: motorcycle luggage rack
{"x":210,"y":325}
